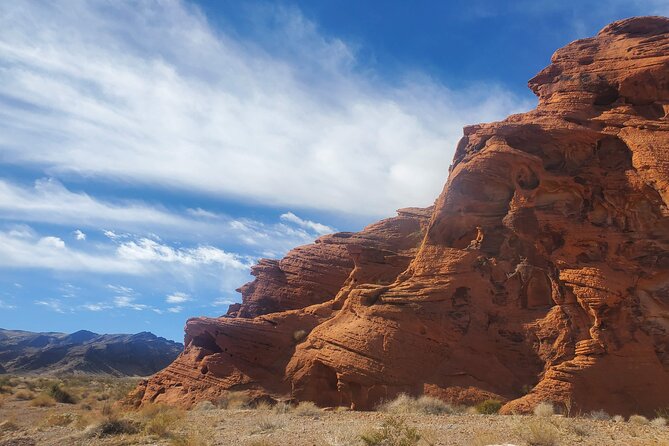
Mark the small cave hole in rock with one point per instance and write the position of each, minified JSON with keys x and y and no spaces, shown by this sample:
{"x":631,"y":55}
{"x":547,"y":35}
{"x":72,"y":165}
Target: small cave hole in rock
{"x":206,"y":341}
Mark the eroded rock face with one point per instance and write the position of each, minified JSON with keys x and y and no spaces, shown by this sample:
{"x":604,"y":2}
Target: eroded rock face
{"x":541,"y":275}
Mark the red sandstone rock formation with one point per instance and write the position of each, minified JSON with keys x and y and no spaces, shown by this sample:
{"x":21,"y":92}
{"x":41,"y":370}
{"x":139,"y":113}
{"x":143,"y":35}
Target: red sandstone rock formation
{"x":541,"y":275}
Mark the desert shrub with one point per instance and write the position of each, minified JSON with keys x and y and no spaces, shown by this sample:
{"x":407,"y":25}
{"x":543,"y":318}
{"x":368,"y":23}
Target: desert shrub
{"x":60,"y":419}
{"x":190,"y":439}
{"x":282,"y":407}
{"x":659,"y":422}
{"x":24,"y":395}
{"x":56,"y":392}
{"x":663,"y":412}
{"x":544,"y":409}
{"x":599,"y":415}
{"x":266,"y":425}
{"x":393,"y":432}
{"x":580,"y":429}
{"x":405,"y":404}
{"x":541,"y":433}
{"x":204,"y":406}
{"x":262,"y":405}
{"x":233,"y":400}
{"x":161,"y":419}
{"x":638,"y":419}
{"x":299,"y":335}
{"x":618,"y":419}
{"x":115,"y":426}
{"x":307,"y":409}
{"x":42,"y":400}
{"x":489,"y":407}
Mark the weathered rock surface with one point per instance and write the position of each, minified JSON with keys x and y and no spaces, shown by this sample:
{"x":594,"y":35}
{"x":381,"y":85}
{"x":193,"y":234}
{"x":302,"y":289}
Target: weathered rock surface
{"x":85,"y":352}
{"x":541,"y":275}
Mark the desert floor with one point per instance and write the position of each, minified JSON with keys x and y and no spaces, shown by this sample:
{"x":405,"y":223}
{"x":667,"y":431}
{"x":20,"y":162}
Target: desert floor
{"x":29,"y":415}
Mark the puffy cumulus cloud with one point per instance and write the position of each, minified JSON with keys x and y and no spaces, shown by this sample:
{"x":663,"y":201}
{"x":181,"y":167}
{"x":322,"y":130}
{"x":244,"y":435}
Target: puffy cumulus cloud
{"x":79,"y":235}
{"x":179,"y":105}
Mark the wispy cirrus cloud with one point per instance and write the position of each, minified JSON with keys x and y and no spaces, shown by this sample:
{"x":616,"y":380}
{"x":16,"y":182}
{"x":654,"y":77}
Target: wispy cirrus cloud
{"x":179,"y":105}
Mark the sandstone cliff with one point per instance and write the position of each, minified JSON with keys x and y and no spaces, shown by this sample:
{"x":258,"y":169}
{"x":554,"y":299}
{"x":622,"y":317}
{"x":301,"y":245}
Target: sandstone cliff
{"x":541,"y":273}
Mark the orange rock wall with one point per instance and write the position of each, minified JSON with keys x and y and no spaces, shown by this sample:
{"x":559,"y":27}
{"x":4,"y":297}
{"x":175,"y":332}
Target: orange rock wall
{"x":541,"y":273}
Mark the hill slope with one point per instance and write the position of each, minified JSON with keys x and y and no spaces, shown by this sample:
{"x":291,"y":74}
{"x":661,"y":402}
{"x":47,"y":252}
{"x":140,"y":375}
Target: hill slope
{"x":139,"y":354}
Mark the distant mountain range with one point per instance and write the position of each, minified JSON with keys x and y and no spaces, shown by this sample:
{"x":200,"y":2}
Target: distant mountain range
{"x":85,"y":352}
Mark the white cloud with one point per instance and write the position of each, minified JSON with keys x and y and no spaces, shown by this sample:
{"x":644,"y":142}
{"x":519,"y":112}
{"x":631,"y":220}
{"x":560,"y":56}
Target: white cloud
{"x":52,"y":304}
{"x":221,"y":302}
{"x":5,"y":306}
{"x":128,"y":302}
{"x":151,"y":94}
{"x":24,"y":249}
{"x":318,"y":228}
{"x":147,"y":250}
{"x":177,"y":298}
{"x":48,"y":201}
{"x":176,"y":309}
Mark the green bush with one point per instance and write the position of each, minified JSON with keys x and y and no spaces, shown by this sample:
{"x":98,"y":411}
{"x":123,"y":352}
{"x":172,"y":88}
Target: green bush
{"x":489,"y":407}
{"x":60,"y":395}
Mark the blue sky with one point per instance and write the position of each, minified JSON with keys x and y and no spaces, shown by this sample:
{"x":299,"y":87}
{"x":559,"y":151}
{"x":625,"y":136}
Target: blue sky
{"x":151,"y":152}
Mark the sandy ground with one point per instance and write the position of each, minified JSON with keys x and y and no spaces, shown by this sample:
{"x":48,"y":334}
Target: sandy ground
{"x":30,"y":416}
{"x":256,"y":427}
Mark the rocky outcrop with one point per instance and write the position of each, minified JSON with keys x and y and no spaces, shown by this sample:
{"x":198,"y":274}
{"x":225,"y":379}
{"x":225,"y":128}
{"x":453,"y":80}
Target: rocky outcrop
{"x":541,"y":275}
{"x":85,"y":352}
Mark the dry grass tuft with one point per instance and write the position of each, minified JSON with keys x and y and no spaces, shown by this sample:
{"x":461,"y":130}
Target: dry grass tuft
{"x":190,"y":439}
{"x":204,"y":406}
{"x":59,"y":394}
{"x":618,"y":419}
{"x":113,"y":426}
{"x":234,"y":400}
{"x":160,"y":420}
{"x":427,"y":405}
{"x":659,"y":422}
{"x":540,"y":432}
{"x":600,"y":415}
{"x":489,"y":407}
{"x":544,"y":409}
{"x":42,"y":400}
{"x":266,"y":425}
{"x":60,"y":419}
{"x":24,"y":395}
{"x":299,"y":336}
{"x":282,"y":408}
{"x":307,"y":409}
{"x":393,"y":432}
{"x":638,"y":419}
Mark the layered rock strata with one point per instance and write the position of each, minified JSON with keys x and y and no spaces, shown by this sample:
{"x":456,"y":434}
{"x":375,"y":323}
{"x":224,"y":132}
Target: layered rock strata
{"x":541,"y":273}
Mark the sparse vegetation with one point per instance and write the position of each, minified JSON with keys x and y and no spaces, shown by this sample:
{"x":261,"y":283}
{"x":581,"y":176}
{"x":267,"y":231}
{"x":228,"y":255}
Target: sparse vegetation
{"x":266,"y":425}
{"x":42,"y":400}
{"x":489,"y":407}
{"x":299,"y":336}
{"x":307,"y":409}
{"x":282,"y":408}
{"x":60,"y":395}
{"x":405,"y":404}
{"x":540,"y":432}
{"x":115,"y":426}
{"x":160,"y":420}
{"x":659,"y":422}
{"x":234,"y":400}
{"x":544,"y":409}
{"x":24,"y":395}
{"x":638,"y":419}
{"x":599,"y":415}
{"x":393,"y":432}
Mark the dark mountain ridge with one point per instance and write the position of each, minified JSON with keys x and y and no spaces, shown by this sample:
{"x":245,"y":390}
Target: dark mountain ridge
{"x":85,"y":352}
